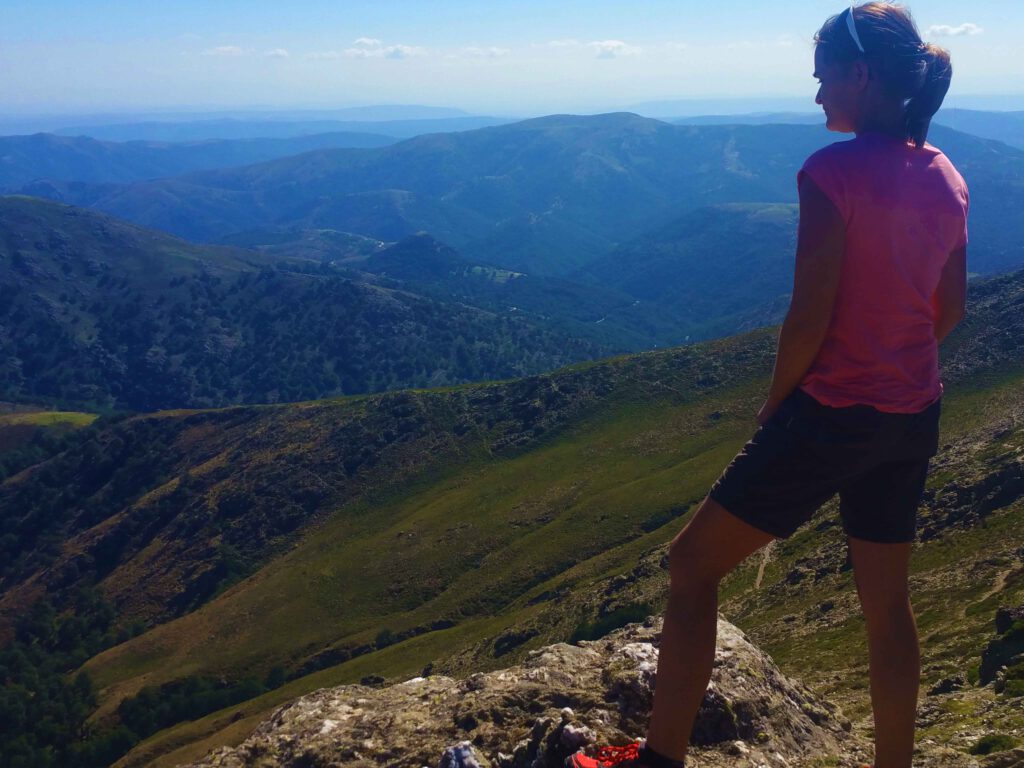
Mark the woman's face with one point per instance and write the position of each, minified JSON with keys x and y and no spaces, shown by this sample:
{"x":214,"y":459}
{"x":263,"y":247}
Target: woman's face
{"x":838,"y":93}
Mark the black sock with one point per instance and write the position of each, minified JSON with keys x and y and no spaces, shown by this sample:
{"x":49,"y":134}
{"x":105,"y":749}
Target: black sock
{"x":653,"y":759}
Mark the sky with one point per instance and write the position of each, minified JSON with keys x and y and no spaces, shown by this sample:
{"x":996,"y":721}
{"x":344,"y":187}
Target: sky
{"x":497,"y":57}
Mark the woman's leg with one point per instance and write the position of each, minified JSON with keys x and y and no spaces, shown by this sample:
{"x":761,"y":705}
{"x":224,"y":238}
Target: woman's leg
{"x":710,"y":546}
{"x":880,"y":571}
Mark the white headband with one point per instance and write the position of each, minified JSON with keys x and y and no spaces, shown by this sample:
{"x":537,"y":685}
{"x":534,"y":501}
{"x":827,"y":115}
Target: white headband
{"x":852,"y":26}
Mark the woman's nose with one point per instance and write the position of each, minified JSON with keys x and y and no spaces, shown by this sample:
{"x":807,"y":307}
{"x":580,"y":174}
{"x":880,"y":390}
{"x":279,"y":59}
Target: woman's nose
{"x":817,"y":97}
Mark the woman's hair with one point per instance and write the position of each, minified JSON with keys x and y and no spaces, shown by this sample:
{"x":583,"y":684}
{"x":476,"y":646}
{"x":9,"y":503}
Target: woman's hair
{"x":915,"y":72}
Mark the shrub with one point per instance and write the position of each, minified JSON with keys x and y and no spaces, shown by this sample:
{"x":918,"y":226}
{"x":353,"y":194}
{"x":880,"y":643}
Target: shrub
{"x":385,"y":638}
{"x":611,"y":621}
{"x":993,"y":742}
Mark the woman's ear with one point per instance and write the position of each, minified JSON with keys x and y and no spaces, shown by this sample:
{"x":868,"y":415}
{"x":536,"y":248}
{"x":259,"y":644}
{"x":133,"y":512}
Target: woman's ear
{"x":860,"y":72}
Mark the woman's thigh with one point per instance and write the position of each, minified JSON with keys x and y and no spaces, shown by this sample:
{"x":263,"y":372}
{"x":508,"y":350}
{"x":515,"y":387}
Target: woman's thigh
{"x":713,"y":543}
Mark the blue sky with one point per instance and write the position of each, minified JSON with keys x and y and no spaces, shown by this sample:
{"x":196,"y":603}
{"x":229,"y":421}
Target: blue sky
{"x":526,"y":57}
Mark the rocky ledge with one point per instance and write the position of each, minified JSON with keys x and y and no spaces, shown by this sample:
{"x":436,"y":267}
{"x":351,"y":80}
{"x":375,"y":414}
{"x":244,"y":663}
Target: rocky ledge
{"x":562,"y":698}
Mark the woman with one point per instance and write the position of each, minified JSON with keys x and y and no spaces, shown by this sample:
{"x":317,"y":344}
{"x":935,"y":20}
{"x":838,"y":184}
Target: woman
{"x":853,"y":407}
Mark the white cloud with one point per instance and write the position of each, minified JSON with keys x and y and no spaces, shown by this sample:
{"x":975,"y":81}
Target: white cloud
{"x":945,"y":30}
{"x":224,"y":50}
{"x":372,"y":48}
{"x":566,"y":43}
{"x":402,"y":51}
{"x":277,"y":53}
{"x":488,"y":52}
{"x":323,"y":55}
{"x":611,"y":49}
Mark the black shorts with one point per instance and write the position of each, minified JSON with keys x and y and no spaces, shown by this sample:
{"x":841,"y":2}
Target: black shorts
{"x":807,"y":452}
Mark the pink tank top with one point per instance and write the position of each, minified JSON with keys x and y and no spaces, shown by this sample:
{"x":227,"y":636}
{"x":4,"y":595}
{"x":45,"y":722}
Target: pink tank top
{"x":905,"y":211}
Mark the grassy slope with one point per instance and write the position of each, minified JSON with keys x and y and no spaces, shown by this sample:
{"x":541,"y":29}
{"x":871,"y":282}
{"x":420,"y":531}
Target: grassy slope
{"x":28,"y":431}
{"x":627,"y":467}
{"x":605,"y":478}
{"x":595,"y":487}
{"x":17,"y":429}
{"x":465,"y":542}
{"x":568,"y":526}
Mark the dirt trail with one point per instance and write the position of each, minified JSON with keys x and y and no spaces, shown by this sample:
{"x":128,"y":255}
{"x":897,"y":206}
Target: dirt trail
{"x":766,"y":556}
{"x":998,"y":586}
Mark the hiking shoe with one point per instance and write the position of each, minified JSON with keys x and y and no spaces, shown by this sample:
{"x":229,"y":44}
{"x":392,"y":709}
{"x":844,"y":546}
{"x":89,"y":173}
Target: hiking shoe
{"x":626,"y":757}
{"x":635,"y":755}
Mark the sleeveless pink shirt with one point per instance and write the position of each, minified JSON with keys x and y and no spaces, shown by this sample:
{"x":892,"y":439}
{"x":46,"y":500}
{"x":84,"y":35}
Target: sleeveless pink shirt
{"x":905,"y":210}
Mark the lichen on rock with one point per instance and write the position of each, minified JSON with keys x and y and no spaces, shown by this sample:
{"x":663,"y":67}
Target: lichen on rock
{"x":560,"y":699}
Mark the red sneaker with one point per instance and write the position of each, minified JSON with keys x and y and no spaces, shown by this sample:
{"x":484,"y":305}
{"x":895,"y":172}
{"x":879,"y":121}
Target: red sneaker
{"x":626,"y":757}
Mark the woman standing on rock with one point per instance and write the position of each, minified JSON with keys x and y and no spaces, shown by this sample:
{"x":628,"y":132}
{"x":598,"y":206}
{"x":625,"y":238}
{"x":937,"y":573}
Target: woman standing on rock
{"x":853,"y":407}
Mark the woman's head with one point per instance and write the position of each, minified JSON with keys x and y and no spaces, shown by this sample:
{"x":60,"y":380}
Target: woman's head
{"x":894,"y":71}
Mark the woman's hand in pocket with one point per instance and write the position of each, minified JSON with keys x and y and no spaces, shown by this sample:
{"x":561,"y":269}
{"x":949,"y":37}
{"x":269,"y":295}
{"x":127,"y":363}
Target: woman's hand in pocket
{"x":767,"y":411}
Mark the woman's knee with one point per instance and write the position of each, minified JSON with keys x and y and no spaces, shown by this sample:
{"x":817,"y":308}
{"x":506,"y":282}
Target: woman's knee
{"x":886,"y":609}
{"x":880,"y":572}
{"x":688,"y":566}
{"x":688,"y":569}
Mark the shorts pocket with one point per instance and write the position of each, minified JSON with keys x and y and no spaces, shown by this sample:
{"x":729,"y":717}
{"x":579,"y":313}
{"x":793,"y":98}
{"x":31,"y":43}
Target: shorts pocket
{"x":922,"y":436}
{"x":824,"y":425}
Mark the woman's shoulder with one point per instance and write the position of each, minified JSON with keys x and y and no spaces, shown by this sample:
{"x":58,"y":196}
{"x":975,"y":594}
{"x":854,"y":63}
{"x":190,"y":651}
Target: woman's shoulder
{"x":938,"y":155}
{"x":830,"y":169}
{"x":833,"y":151}
{"x":876,"y":151}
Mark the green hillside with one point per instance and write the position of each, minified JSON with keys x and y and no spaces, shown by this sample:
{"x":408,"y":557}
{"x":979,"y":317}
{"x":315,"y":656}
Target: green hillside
{"x":581,"y":307}
{"x":98,"y":313}
{"x":718,"y":270}
{"x":29,"y":435}
{"x":283,"y":548}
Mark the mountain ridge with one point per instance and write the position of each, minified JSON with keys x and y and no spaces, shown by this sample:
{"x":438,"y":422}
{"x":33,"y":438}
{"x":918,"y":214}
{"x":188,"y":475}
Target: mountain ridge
{"x":49,"y":157}
{"x":545,"y":195}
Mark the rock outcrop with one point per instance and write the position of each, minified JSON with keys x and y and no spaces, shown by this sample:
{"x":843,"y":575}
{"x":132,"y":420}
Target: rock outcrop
{"x":562,"y":698}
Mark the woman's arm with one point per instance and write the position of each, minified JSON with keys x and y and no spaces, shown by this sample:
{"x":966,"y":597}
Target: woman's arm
{"x":819,"y":260}
{"x":950,"y":297}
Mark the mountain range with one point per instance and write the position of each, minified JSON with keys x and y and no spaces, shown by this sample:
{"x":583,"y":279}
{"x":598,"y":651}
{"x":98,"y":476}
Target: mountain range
{"x":395,"y":412}
{"x":543,"y":196}
{"x":24,"y":159}
{"x":439,"y":233}
{"x":379,"y":122}
{"x":1004,"y":126}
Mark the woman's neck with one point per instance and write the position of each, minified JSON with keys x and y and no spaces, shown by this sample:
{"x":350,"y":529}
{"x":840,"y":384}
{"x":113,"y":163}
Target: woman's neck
{"x":890,"y":122}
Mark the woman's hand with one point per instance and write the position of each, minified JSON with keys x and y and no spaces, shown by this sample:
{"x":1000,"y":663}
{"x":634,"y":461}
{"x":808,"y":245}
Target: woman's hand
{"x":767,"y":411}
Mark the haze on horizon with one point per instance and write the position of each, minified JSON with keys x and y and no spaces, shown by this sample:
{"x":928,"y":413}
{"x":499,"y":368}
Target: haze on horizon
{"x":502,"y":58}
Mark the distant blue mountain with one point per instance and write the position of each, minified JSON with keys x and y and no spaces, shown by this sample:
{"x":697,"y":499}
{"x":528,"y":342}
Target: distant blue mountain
{"x":242,"y":128}
{"x":1007,"y":127}
{"x":25,"y":159}
{"x":13,"y":123}
{"x":753,"y":118}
